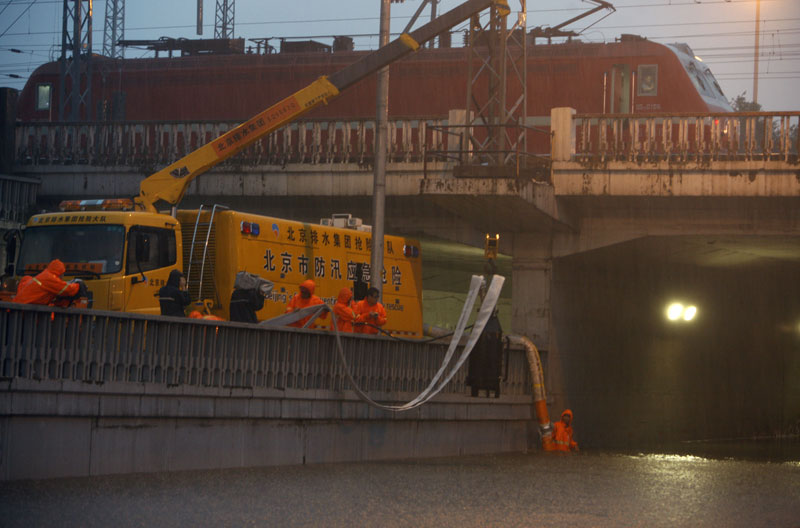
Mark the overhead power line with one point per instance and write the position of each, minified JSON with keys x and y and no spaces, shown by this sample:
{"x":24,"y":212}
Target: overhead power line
{"x":672,"y":3}
{"x":16,"y":19}
{"x":697,"y":23}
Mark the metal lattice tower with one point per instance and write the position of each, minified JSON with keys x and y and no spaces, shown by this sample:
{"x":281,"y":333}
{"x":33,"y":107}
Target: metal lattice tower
{"x":114,"y":30}
{"x":497,"y":90}
{"x":76,"y":62}
{"x":223,"y":21}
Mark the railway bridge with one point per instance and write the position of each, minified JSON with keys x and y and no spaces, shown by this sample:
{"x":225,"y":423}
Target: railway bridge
{"x":621,"y":216}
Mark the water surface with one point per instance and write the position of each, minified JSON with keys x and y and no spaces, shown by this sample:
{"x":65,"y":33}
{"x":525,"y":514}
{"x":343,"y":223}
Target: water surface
{"x":587,"y":489}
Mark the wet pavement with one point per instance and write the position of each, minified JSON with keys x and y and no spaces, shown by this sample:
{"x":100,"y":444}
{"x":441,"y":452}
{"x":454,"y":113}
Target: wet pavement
{"x":586,"y":489}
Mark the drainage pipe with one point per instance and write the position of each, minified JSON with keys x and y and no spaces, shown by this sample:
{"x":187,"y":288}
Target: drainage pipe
{"x":537,"y":376}
{"x":539,"y":394}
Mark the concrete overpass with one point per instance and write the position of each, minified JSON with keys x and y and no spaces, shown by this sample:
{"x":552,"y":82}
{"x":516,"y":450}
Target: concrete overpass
{"x":635,"y":211}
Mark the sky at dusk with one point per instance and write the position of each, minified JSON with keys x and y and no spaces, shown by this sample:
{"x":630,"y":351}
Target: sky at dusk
{"x":721,"y":32}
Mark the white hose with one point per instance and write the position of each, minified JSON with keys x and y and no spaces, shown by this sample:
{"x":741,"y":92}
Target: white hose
{"x":434,"y":387}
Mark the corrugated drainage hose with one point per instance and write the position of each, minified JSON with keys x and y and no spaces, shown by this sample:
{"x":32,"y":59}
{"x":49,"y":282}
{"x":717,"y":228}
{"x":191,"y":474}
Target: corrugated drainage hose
{"x":539,"y":394}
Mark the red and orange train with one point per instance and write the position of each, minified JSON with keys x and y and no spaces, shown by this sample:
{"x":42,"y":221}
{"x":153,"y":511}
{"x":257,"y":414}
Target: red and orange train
{"x":632,"y":75}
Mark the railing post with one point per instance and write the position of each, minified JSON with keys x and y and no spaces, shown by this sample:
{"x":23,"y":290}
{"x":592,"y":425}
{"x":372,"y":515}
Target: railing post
{"x":784,"y":139}
{"x":602,"y":137}
{"x":797,"y":140}
{"x":457,"y":120}
{"x":768,"y":143}
{"x":563,"y":133}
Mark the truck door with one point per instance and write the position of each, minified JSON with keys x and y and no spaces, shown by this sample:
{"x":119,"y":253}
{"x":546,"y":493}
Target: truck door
{"x":8,"y":259}
{"x":12,"y":239}
{"x":151,"y":256}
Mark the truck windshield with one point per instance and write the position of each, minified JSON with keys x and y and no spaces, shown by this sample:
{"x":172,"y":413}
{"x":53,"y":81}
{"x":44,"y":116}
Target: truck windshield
{"x":94,"y":248}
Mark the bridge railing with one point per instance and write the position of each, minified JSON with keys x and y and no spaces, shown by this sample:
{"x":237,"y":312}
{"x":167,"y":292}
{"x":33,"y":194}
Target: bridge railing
{"x":150,"y":144}
{"x":17,"y":198}
{"x":748,"y":136}
{"x":92,"y":346}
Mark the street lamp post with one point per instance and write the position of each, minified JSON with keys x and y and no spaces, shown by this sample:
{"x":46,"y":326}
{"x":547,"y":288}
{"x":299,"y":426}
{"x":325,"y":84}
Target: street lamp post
{"x":755,"y":54}
{"x":379,"y":175}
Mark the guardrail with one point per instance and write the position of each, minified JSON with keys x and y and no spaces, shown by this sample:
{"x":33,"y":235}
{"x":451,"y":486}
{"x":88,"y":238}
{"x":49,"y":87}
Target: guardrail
{"x":46,"y":343}
{"x":17,"y":198}
{"x":148,"y":144}
{"x":746,"y":136}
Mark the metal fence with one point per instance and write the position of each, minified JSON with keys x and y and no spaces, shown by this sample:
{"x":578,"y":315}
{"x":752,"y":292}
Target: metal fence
{"x":17,"y":198}
{"x":46,"y":343}
{"x":150,"y":144}
{"x":747,"y":136}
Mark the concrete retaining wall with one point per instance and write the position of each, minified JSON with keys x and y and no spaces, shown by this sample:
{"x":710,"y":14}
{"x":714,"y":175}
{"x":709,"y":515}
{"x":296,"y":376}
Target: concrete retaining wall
{"x":52,"y":429}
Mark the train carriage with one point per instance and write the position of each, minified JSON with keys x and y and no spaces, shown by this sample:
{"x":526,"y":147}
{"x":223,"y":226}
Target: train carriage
{"x":632,"y":75}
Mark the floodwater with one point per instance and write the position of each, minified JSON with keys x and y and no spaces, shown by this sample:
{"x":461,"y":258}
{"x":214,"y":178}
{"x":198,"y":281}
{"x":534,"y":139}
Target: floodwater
{"x":537,"y":489}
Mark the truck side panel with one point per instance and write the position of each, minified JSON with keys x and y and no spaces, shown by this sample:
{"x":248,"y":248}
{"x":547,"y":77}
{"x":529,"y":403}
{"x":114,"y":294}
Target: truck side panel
{"x":287,"y":253}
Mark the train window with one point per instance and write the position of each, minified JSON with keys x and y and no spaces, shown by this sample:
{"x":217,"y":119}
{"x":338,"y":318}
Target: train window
{"x":714,"y":83}
{"x":700,"y":83}
{"x":695,"y":75}
{"x":43,"y":96}
{"x":648,"y":80}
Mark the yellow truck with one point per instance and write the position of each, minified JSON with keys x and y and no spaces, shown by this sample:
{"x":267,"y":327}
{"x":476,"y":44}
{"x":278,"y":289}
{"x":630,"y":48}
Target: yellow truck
{"x":125,"y":257}
{"x":286,"y":253}
{"x":125,"y":249}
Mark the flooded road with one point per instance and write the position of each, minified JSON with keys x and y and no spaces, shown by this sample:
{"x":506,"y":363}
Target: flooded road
{"x":586,"y":489}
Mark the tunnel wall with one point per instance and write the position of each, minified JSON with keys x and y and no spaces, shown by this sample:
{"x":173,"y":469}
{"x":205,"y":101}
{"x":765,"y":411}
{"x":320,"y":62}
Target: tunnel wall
{"x":635,"y":380}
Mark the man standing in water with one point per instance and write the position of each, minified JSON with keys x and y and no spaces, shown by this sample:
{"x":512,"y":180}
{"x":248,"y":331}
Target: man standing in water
{"x":562,"y":433}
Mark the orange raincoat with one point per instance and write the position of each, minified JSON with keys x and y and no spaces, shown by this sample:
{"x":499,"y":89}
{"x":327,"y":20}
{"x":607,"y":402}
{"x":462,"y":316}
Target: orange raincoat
{"x":46,"y":286}
{"x":363,"y":310}
{"x":562,"y":434}
{"x":344,"y":310}
{"x":297,"y":302}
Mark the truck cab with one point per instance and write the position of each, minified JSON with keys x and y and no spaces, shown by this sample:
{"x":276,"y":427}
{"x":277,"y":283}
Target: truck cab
{"x":123,"y":256}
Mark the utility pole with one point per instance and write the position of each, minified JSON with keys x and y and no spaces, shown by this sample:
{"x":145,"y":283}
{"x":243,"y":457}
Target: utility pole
{"x":379,"y":175}
{"x":223,"y":23}
{"x":114,"y":29}
{"x":755,"y":58}
{"x":75,"y":86}
{"x":433,"y":17}
{"x":199,"y":17}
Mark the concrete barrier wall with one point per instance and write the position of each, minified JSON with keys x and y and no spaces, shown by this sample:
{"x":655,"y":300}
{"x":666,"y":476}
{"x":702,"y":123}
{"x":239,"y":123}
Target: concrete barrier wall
{"x":52,"y":429}
{"x":89,"y":392}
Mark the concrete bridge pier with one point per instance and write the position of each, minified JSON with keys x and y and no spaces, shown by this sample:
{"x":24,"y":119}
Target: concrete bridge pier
{"x":532,"y":266}
{"x":531,"y":314}
{"x":533,"y":257}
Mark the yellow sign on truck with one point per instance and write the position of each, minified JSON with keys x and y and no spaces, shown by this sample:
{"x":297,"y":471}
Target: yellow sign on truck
{"x":286,"y":253}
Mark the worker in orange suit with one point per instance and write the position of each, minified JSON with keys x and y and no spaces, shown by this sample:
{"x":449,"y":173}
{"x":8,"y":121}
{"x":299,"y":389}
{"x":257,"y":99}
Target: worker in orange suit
{"x":23,"y":281}
{"x":562,"y":433}
{"x":194,"y":314}
{"x":305,"y":299}
{"x":46,"y":286}
{"x":345,"y":315}
{"x":370,"y":314}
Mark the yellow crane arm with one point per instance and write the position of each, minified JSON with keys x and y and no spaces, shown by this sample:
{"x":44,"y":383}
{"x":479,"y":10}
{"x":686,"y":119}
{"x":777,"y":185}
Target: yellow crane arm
{"x":170,"y":183}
